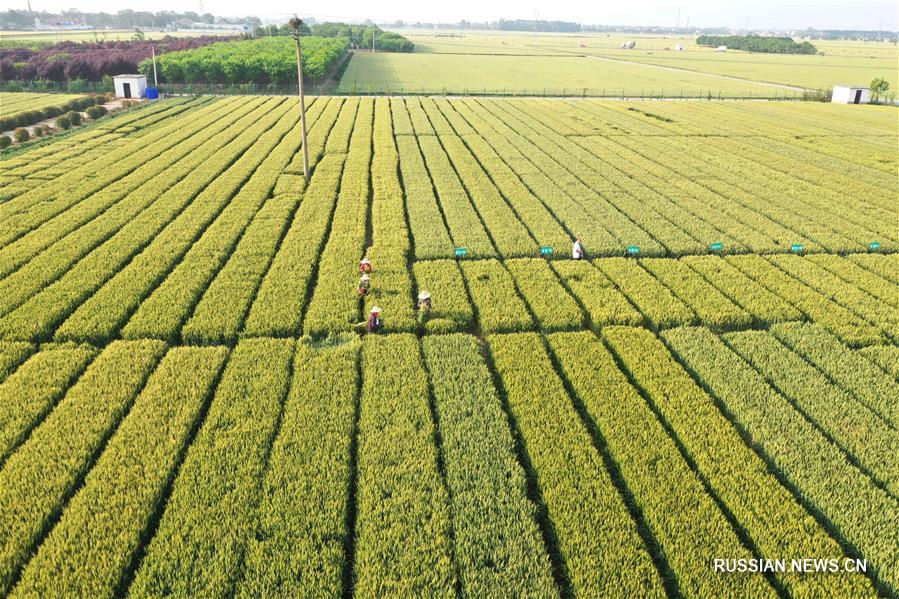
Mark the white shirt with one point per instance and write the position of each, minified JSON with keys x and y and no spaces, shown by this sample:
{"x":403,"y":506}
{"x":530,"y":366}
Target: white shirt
{"x":576,"y":251}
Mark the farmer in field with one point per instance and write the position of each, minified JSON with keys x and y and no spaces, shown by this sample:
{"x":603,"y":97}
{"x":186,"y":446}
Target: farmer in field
{"x":364,"y":284}
{"x":424,"y":301}
{"x":577,"y":251}
{"x":365,"y":266}
{"x":375,"y":322}
{"x":424,"y":306}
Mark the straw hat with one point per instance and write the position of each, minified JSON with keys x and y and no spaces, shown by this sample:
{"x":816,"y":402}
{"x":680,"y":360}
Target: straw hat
{"x":375,"y":310}
{"x":424,"y":295}
{"x":365,"y":261}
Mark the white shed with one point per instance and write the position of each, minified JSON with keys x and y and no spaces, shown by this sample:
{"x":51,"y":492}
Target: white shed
{"x":721,"y":49}
{"x":679,"y":48}
{"x":130,"y":86}
{"x":850,"y":94}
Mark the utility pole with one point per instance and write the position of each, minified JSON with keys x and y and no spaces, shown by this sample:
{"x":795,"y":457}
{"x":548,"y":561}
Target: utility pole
{"x":372,"y":37}
{"x":295,"y":24}
{"x":155,"y":78}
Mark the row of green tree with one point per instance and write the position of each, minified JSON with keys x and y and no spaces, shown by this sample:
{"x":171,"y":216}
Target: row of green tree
{"x":758,"y":43}
{"x":261,"y":60}
{"x":358,"y":36}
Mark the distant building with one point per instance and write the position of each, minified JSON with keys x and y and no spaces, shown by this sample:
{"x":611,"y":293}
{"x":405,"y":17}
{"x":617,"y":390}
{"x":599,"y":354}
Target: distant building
{"x":629,"y":45}
{"x":679,"y":47}
{"x":850,"y":94}
{"x":721,"y":49}
{"x":130,"y":86}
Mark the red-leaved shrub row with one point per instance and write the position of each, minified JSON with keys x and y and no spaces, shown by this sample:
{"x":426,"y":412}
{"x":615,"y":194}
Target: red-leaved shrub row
{"x":89,"y":61}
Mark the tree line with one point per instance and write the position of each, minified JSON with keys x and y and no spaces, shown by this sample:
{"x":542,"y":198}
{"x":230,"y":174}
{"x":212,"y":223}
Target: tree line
{"x":758,"y":43}
{"x":87,"y":61}
{"x":268,"y":60}
{"x":358,"y":36}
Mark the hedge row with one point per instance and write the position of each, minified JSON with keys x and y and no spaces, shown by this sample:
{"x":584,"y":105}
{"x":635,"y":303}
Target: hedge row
{"x":757,"y":43}
{"x":262,"y":60}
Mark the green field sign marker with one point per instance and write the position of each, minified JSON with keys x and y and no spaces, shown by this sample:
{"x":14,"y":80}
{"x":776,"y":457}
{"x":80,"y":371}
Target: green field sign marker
{"x":633,"y":250}
{"x":797,"y":248}
{"x":874,"y":246}
{"x":545,"y":250}
{"x":461,"y":252}
{"x":716,"y":247}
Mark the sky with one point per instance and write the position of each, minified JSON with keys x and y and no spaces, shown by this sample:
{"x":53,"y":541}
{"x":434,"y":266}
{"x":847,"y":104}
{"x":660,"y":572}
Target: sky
{"x":760,"y":14}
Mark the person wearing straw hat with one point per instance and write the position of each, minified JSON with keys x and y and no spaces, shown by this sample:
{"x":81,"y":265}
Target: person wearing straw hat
{"x":364,"y":284}
{"x":375,"y":322}
{"x":424,"y":306}
{"x":365,"y":266}
{"x":424,"y":301}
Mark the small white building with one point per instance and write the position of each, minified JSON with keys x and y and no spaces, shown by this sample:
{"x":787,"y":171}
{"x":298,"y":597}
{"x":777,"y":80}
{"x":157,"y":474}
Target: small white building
{"x":850,"y":94}
{"x":721,"y":49}
{"x":628,"y":45}
{"x":130,"y":86}
{"x":679,"y":48}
